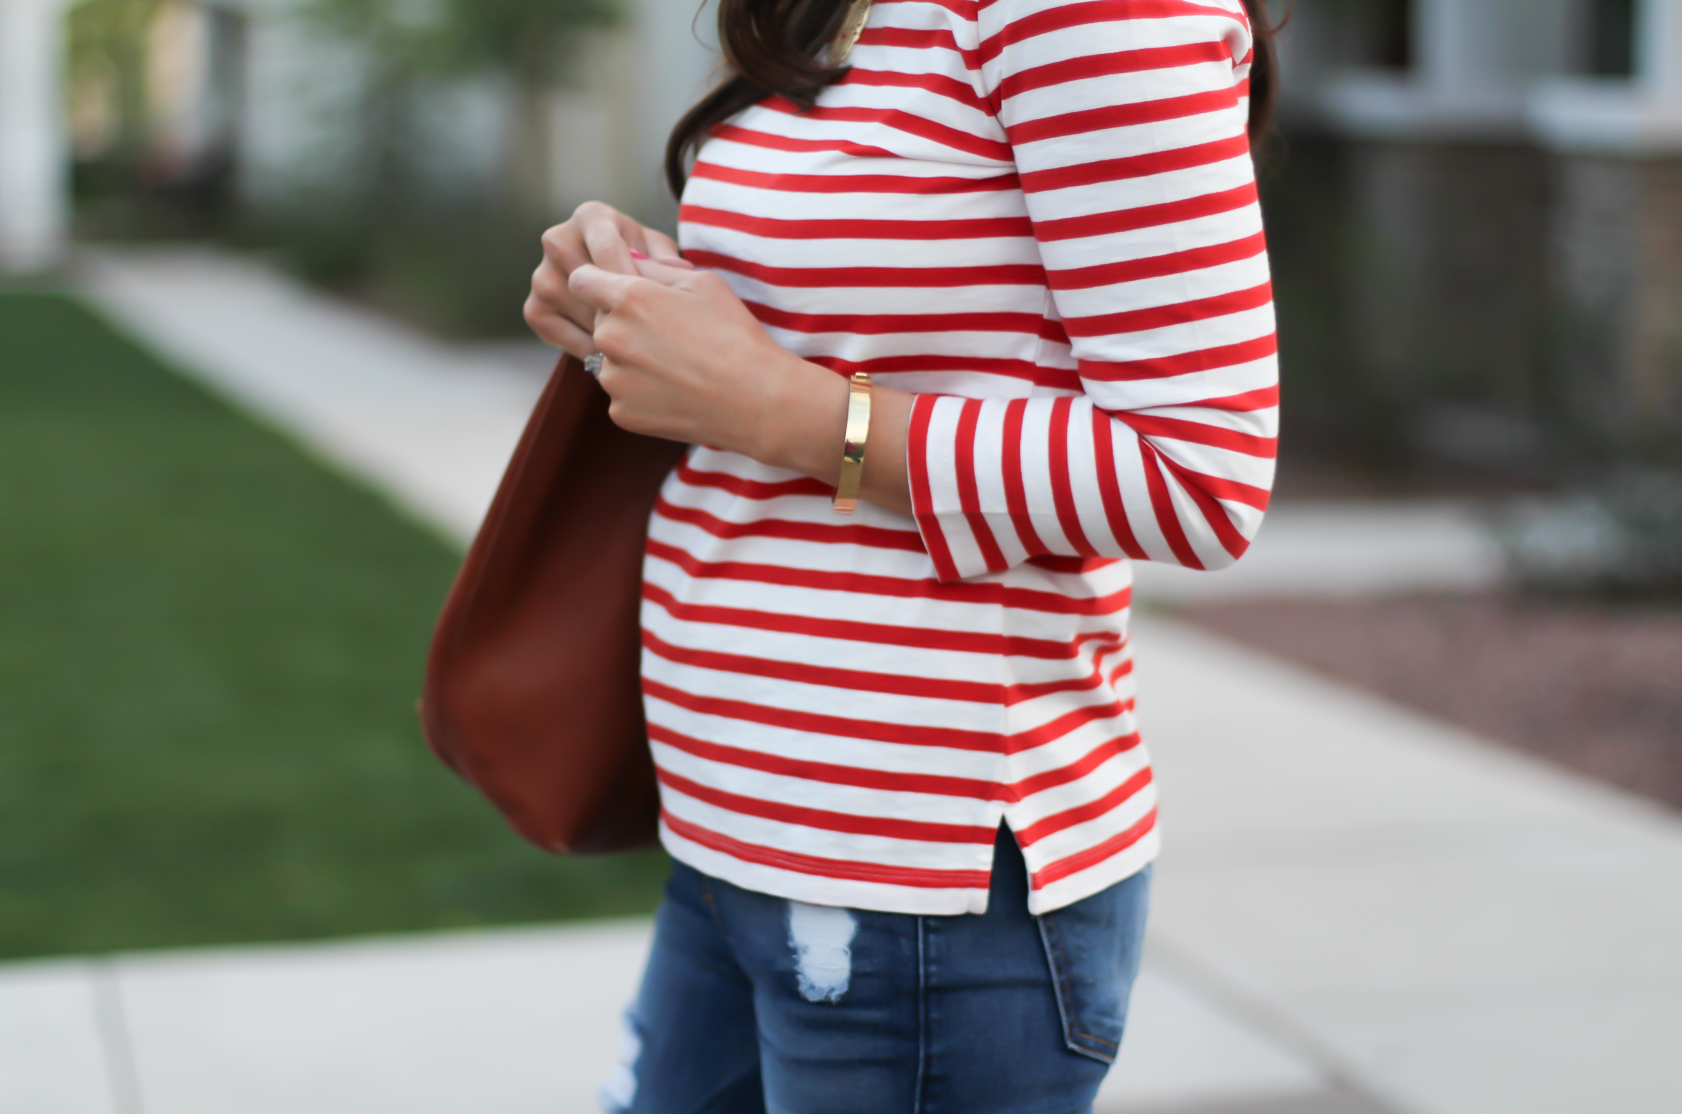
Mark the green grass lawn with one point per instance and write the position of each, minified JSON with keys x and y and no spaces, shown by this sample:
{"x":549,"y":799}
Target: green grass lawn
{"x":210,"y":650}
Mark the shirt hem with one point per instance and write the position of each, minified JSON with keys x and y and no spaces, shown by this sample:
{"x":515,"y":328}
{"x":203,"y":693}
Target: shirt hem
{"x":883,"y":897}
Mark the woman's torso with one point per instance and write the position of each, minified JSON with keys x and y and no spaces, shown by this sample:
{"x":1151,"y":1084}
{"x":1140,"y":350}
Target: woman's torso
{"x":832,"y":723}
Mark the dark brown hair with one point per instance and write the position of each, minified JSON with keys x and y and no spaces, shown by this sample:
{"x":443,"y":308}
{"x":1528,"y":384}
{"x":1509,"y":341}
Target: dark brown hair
{"x":772,"y":46}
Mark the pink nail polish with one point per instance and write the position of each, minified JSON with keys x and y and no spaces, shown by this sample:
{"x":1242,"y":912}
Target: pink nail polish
{"x":635,"y":254}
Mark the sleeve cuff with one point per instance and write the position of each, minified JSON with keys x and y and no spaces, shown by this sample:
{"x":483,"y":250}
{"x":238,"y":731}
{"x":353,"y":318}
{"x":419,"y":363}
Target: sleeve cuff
{"x":940,"y":448}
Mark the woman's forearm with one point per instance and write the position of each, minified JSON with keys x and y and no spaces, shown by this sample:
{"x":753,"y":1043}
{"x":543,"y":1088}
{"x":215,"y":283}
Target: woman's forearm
{"x":687,"y":360}
{"x":807,"y":422}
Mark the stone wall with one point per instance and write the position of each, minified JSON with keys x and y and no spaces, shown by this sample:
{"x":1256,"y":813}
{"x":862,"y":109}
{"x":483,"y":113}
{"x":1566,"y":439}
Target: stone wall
{"x":1616,"y":271}
{"x":1449,"y":247}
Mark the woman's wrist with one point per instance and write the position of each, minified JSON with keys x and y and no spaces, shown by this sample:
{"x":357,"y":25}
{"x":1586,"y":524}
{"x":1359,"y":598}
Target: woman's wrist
{"x":804,"y":424}
{"x":804,"y":420}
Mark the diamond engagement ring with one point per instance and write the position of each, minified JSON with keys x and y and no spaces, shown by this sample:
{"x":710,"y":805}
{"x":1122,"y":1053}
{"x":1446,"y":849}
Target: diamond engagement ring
{"x":593,"y":364}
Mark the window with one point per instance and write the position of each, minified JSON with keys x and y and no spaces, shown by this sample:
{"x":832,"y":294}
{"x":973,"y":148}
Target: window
{"x":1611,"y":38}
{"x":1391,"y":33}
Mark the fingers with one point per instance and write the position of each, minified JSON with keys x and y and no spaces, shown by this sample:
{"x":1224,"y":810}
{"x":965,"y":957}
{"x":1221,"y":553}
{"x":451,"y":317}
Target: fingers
{"x":563,"y":246}
{"x":550,"y":296}
{"x":607,"y":236}
{"x":590,"y":264}
{"x":600,"y":289}
{"x":553,"y":328}
{"x":666,"y":272}
{"x":664,"y":249}
{"x":661,"y":246}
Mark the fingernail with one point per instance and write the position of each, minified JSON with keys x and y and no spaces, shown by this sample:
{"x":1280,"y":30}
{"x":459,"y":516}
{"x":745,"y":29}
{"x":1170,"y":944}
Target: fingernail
{"x":635,"y":254}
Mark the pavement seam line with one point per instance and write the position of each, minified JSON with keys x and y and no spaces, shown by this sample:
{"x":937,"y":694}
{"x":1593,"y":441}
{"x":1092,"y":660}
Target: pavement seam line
{"x":1336,"y":1071}
{"x":121,"y":1067}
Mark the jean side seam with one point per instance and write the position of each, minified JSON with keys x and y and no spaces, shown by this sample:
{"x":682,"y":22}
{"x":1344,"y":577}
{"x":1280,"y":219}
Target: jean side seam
{"x":922,"y":1017}
{"x":715,"y":908}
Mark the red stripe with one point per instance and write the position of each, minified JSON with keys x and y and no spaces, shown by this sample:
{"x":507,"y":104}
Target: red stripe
{"x":846,"y":727}
{"x":1121,"y":116}
{"x":969,"y":497}
{"x":859,"y":681}
{"x":895,"y":782}
{"x":845,"y":630}
{"x":1088,"y":762}
{"x":902,"y":121}
{"x":1086,"y":66}
{"x":827,"y":868}
{"x":1092,"y":856}
{"x":1201,"y":433}
{"x":1223,"y":488}
{"x":1074,"y":566}
{"x":1016,"y":496}
{"x":1262,"y":398}
{"x":849,"y":680}
{"x":1052,"y":332}
{"x":887,"y":781}
{"x":856,"y":583}
{"x":1216,"y":515}
{"x":1080,"y":814}
{"x":752,"y":489}
{"x":910,"y":278}
{"x":1062,"y":725}
{"x":1163,"y":504}
{"x":1062,"y":490}
{"x":1092,"y":11}
{"x":913,"y":38}
{"x":823,"y":820}
{"x":1136,"y":166}
{"x":963,"y":9}
{"x":1109,"y":485}
{"x":854,"y":183}
{"x":1157,"y":266}
{"x":876,"y":537}
{"x":748,"y":137}
{"x":941,"y":85}
{"x":922,"y":500}
{"x":1176,"y":313}
{"x":1147,"y":216}
{"x":1024,"y":370}
{"x":970,"y":229}
{"x":1186,"y":363}
{"x":878,"y":324}
{"x":816,"y":723}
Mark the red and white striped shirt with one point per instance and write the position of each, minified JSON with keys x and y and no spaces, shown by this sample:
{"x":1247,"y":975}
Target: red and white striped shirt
{"x":1040,"y":217}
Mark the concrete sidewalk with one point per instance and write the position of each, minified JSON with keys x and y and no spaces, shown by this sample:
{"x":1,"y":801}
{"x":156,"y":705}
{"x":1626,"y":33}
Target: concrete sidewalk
{"x":1357,"y":908}
{"x":518,"y":1022}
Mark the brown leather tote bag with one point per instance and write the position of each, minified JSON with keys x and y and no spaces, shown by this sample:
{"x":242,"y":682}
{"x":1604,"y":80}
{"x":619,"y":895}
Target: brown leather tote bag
{"x":533,"y":684}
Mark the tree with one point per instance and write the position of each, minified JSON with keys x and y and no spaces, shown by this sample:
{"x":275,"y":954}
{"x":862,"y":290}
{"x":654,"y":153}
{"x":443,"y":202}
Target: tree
{"x":531,"y":42}
{"x":108,"y":66}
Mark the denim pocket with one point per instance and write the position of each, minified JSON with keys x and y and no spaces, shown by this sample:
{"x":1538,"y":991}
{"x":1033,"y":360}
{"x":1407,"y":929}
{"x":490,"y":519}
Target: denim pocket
{"x":1093,"y":947}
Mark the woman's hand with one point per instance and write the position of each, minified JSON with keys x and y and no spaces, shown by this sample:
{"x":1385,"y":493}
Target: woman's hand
{"x":686,"y":360}
{"x":597,"y":234}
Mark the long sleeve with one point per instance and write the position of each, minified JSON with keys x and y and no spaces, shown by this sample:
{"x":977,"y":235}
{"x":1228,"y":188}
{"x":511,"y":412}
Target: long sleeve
{"x":1127,"y":122}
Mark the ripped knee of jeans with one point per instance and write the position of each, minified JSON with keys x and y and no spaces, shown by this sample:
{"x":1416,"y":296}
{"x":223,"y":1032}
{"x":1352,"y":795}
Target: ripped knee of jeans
{"x":620,"y":1090}
{"x":821,"y":937}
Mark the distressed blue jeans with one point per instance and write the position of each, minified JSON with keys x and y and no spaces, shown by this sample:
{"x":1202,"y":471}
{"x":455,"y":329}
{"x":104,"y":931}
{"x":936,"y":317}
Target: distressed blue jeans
{"x":753,"y":1004}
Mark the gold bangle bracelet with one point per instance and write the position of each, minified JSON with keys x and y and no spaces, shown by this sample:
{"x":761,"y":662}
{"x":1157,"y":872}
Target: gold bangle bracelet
{"x":852,"y":450}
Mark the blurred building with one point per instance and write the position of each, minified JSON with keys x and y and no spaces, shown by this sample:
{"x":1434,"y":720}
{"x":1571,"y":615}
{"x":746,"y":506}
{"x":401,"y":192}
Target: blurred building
{"x":260,"y":98}
{"x":1510,"y":178}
